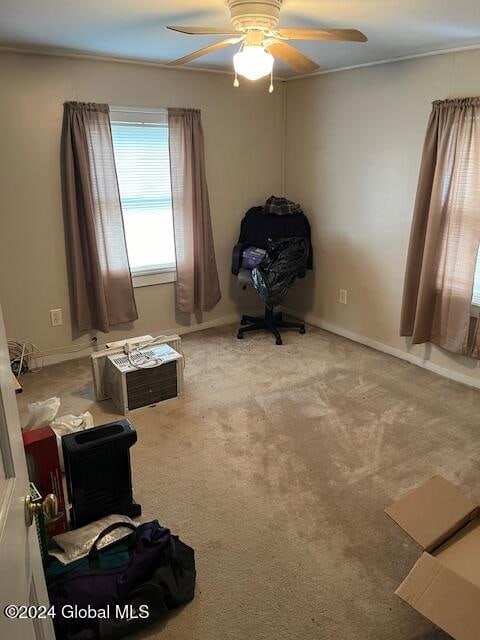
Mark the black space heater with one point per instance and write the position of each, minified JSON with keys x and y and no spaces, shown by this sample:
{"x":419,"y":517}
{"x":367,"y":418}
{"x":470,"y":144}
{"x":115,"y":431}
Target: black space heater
{"x":98,"y":474}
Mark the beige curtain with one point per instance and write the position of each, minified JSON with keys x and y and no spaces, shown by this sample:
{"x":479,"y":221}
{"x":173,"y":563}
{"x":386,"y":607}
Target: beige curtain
{"x":445,"y":231}
{"x":102,"y":292}
{"x":197,"y":286}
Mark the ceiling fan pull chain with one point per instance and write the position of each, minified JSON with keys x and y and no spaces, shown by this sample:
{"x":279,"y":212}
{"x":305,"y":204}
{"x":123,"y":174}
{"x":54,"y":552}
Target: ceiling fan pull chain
{"x":236,"y":82}
{"x":270,"y":88}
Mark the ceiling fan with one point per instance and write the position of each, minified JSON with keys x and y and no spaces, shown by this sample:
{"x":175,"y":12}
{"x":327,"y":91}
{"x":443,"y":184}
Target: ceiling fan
{"x":255,"y":28}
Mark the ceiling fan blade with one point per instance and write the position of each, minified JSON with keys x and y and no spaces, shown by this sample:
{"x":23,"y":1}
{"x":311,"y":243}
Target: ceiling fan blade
{"x":351,"y":35}
{"x":293,"y":57}
{"x":204,"y":51}
{"x":206,"y":31}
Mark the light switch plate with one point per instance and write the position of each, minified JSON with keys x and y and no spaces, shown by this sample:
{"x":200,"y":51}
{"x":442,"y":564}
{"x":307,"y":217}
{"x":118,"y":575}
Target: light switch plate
{"x":56,"y":317}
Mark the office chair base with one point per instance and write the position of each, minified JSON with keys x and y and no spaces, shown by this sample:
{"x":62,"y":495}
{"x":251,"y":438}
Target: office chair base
{"x":270,"y":322}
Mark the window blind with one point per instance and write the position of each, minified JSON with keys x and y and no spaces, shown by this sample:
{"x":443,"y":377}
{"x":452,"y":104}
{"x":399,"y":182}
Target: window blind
{"x":143,"y":170}
{"x":476,"y":285}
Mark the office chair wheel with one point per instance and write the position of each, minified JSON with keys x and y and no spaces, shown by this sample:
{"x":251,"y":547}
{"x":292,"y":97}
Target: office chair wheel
{"x":279,"y":341}
{"x":243,"y":322}
{"x":240,"y":335}
{"x":302,"y":330}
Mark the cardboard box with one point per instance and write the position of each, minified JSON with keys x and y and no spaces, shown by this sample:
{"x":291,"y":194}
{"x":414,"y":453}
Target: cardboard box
{"x":44,"y":470}
{"x":444,"y":583}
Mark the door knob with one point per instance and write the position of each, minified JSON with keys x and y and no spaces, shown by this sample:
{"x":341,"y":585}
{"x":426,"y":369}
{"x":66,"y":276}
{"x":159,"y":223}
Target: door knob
{"x":48,"y":506}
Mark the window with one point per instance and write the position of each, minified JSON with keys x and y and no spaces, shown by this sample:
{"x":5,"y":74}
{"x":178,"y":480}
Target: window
{"x":140,"y":142}
{"x":476,"y":284}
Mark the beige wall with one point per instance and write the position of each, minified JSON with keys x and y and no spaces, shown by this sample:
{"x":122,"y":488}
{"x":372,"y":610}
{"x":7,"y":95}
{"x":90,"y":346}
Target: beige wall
{"x":353,"y":147}
{"x":243,"y":137}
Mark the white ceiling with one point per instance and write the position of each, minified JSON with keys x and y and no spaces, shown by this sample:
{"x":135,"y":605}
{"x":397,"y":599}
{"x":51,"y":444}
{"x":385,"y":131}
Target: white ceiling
{"x":136,"y":28}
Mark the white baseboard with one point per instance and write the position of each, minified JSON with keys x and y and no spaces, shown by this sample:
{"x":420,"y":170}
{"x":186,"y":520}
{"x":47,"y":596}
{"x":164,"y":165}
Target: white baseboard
{"x":54,"y":356}
{"x":385,"y":348}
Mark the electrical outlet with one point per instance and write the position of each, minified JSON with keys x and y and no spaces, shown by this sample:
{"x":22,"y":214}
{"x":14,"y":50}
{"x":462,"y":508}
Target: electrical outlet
{"x":342,"y":296}
{"x":56,"y":317}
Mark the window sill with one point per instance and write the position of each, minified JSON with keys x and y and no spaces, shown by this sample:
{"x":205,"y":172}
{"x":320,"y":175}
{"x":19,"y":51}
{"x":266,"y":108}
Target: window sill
{"x":148,"y":279}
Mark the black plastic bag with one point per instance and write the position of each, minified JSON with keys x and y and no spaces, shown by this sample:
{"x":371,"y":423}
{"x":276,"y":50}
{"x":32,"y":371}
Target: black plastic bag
{"x":286,"y":260}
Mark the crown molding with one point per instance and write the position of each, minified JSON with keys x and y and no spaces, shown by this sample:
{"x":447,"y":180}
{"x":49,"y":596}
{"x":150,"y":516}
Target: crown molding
{"x":88,"y":55}
{"x":427,"y":54}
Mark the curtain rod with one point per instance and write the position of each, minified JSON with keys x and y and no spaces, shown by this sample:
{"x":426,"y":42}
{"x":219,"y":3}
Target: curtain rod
{"x":151,"y":110}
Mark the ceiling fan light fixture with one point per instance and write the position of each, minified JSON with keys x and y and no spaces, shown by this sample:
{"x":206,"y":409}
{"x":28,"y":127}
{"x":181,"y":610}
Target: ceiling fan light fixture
{"x":253,"y":62}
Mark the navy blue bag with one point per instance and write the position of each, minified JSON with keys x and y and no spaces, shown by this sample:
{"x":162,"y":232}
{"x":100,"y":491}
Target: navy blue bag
{"x":98,"y":587}
{"x":171,"y":585}
{"x":150,"y":569}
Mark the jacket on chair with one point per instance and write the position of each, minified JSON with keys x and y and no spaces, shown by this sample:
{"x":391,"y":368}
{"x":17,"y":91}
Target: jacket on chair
{"x":258,"y":227}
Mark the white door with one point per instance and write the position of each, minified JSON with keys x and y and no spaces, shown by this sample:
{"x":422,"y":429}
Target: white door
{"x":21,"y":574}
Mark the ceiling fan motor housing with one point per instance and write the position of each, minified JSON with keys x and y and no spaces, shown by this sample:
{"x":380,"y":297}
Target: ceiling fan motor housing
{"x":255,"y":15}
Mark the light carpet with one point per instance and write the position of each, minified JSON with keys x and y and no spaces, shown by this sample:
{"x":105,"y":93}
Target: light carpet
{"x":276,"y":466}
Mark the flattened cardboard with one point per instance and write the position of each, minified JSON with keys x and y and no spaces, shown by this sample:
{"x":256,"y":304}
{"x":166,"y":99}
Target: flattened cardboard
{"x":431,"y":513}
{"x":443,"y":585}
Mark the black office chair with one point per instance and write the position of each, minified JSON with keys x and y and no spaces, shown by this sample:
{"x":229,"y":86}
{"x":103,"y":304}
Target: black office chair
{"x":272,"y":251}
